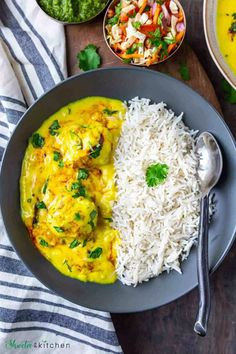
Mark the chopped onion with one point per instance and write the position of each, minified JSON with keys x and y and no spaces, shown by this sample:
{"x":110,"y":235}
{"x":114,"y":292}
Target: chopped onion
{"x":143,"y":18}
{"x":166,"y":13}
{"x":154,"y":7}
{"x":173,"y":25}
{"x":173,"y":7}
{"x":180,"y":27}
{"x":165,"y":23}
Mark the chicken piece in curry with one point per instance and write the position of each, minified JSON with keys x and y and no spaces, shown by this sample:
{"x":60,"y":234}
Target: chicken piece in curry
{"x":67,"y":188}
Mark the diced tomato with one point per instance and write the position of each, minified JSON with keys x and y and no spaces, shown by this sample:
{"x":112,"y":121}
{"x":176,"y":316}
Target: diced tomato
{"x":163,"y":32}
{"x":131,"y":13}
{"x":124,"y":17}
{"x":145,"y":29}
{"x":167,"y":3}
{"x":123,"y":28}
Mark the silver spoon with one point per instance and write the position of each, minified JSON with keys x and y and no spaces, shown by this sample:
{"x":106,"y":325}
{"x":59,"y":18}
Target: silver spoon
{"x":209,"y":171}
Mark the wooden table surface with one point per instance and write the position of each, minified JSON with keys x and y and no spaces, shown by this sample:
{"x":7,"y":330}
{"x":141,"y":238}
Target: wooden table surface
{"x":168,"y":330}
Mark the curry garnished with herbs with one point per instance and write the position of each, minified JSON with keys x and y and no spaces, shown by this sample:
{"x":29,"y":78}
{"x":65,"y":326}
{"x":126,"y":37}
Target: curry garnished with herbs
{"x":226,"y":31}
{"x":67,"y":188}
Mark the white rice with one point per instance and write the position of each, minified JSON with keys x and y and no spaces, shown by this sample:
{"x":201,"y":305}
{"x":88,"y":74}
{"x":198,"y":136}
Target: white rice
{"x":158,"y":225}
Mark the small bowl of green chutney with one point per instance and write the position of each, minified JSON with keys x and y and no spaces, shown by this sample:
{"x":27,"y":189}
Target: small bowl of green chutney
{"x":72,"y":11}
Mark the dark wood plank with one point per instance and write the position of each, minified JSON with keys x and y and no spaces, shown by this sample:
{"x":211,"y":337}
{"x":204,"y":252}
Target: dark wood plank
{"x":168,"y":330}
{"x":78,"y":37}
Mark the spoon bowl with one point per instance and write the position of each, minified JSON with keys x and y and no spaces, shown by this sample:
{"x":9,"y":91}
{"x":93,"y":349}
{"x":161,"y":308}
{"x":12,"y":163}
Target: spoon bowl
{"x":210,"y":161}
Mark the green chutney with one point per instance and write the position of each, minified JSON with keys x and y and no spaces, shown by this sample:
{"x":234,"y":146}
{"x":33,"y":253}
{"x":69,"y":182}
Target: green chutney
{"x":72,"y":10}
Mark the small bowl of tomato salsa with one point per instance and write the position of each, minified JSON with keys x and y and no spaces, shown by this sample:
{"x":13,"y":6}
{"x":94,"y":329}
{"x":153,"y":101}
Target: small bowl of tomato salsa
{"x":144,"y":32}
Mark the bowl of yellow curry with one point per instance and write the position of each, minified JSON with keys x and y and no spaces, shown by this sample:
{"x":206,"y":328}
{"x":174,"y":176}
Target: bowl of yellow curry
{"x":220,"y":32}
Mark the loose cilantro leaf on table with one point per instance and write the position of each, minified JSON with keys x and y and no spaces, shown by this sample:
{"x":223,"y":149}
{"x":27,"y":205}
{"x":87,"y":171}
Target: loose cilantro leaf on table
{"x":89,"y":58}
{"x":156,"y":174}
{"x":230,"y":92}
{"x":184,"y":72}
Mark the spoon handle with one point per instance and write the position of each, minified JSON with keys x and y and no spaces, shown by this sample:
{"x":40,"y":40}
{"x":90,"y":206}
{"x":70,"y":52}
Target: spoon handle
{"x":200,"y":326}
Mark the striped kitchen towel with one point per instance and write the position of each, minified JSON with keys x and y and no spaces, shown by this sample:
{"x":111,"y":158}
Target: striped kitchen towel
{"x":32,"y":318}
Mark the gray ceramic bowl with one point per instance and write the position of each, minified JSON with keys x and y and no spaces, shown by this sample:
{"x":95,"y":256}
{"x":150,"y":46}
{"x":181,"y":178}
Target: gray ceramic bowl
{"x":122,"y":83}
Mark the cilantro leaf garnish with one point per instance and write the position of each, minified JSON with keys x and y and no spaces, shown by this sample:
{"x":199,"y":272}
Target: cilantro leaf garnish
{"x":77,"y":216}
{"x":41,"y":205}
{"x":58,"y":229}
{"x":84,"y":242}
{"x":56,"y":156}
{"x":74,"y":243}
{"x":136,"y":25}
{"x":75,"y":185}
{"x":159,"y":21}
{"x":95,"y":150}
{"x":93,"y":214}
{"x":184,"y":72}
{"x":156,"y":174}
{"x":108,"y":111}
{"x":115,"y":19}
{"x":43,"y":243}
{"x":61,"y":164}
{"x":108,"y":219}
{"x":83,"y":173}
{"x":54,"y":127}
{"x":37,"y":140}
{"x":45,"y":186}
{"x":80,"y":193}
{"x":89,"y":58}
{"x":95,"y":253}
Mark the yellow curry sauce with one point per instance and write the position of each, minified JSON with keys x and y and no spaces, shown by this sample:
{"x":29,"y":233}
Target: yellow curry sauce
{"x":67,"y":188}
{"x":226,"y":16}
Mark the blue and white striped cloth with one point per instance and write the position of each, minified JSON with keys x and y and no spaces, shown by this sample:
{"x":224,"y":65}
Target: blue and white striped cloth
{"x":32,"y":318}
